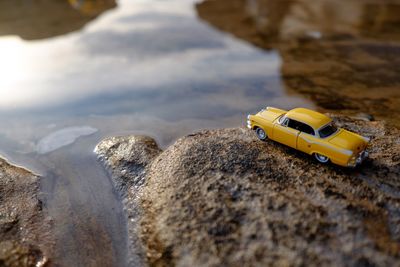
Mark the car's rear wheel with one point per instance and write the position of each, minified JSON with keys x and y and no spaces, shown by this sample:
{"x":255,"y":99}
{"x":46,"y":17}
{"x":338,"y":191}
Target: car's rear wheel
{"x":321,"y":158}
{"x":261,"y":134}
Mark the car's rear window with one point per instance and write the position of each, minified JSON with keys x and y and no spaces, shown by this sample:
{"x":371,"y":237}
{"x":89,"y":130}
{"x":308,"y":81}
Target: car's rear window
{"x":328,"y":130}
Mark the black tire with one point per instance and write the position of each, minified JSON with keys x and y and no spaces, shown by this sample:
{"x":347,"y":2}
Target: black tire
{"x":321,"y":158}
{"x":261,"y":134}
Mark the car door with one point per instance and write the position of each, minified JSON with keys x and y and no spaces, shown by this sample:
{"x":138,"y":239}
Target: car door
{"x":307,"y":139}
{"x":285,"y":132}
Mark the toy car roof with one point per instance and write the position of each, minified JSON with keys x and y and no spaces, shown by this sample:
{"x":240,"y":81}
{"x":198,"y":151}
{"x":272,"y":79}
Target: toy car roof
{"x":310,"y":117}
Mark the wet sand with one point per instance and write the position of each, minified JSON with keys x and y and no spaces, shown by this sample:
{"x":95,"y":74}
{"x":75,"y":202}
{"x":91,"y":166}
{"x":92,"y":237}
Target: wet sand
{"x":88,"y":219}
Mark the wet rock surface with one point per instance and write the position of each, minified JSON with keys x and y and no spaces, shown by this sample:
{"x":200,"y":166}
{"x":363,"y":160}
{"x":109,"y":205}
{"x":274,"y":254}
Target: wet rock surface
{"x":126,"y":158}
{"x":224,"y":198}
{"x":25,"y":233}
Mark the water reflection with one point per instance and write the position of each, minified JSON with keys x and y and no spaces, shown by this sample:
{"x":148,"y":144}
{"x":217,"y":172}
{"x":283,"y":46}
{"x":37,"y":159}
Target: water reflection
{"x":344,"y":55}
{"x":92,"y":7}
{"x":33,"y":20}
{"x":153,"y":59}
{"x":287,"y":19}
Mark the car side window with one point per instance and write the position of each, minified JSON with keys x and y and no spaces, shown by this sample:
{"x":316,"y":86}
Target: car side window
{"x":293,"y":124}
{"x":306,"y":128}
{"x":301,"y":127}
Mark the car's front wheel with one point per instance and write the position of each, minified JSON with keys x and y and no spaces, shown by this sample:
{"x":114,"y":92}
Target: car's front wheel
{"x":261,"y":134}
{"x":321,"y":158}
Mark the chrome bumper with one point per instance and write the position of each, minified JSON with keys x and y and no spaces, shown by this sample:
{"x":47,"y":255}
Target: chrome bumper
{"x":248,"y":122}
{"x":361,"y":157}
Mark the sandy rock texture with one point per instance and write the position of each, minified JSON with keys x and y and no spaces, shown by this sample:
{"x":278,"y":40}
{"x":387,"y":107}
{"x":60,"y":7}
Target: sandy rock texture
{"x":25,"y":233}
{"x":224,"y":198}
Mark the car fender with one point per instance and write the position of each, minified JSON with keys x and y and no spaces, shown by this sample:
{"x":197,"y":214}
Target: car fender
{"x":318,"y":152}
{"x":266,"y":130}
{"x":341,"y":159}
{"x":261,"y":123}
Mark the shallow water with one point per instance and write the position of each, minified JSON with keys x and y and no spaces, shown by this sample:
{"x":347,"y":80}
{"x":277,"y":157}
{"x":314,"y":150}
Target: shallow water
{"x":72,"y":75}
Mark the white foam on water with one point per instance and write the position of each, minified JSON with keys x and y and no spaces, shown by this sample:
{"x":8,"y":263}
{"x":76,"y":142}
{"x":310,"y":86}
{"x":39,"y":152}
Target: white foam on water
{"x":63,"y":138}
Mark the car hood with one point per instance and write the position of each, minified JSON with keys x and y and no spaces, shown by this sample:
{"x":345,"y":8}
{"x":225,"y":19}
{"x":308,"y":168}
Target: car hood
{"x":348,"y":140}
{"x":271,"y":114}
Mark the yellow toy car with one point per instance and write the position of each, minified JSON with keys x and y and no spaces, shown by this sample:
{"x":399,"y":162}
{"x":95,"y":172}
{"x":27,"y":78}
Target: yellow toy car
{"x":311,"y":132}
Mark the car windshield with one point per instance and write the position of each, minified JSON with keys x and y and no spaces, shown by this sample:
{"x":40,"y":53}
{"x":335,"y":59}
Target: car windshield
{"x":328,"y":130}
{"x":281,"y":119}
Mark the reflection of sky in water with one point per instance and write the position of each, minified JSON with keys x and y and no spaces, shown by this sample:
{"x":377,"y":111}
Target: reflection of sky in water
{"x":146,"y":66}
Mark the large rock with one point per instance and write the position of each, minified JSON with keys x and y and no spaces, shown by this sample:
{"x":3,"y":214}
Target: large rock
{"x":25,"y":233}
{"x":224,"y":198}
{"x":127,"y":158}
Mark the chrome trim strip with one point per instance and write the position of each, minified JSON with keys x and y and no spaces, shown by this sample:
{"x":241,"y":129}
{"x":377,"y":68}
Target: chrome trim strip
{"x":307,"y":140}
{"x":341,"y":150}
